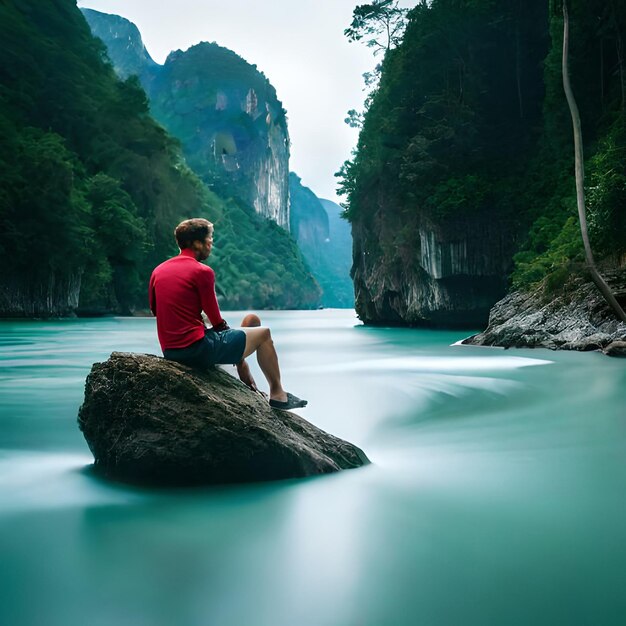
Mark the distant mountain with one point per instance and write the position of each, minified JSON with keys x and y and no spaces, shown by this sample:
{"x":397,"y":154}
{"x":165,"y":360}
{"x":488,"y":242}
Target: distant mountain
{"x":309,"y":220}
{"x":225,"y":112}
{"x":233,"y":132}
{"x":325,"y":241}
{"x":124,"y":44}
{"x":339,"y":255}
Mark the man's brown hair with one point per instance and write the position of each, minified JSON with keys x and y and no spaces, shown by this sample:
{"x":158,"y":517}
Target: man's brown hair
{"x":195,"y":229}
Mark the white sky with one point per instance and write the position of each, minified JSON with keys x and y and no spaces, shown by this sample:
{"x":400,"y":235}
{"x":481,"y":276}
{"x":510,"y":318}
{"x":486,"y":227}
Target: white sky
{"x":298,"y":44}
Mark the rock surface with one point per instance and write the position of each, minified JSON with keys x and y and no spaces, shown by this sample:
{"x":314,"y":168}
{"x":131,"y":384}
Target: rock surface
{"x":52,"y":295}
{"x":446,"y":274}
{"x":148,"y":420}
{"x":125,"y":45}
{"x":576,"y":319}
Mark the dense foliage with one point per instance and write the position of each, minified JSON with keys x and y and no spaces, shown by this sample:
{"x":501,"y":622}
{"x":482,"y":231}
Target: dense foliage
{"x":91,"y":186}
{"x":469,"y":119}
{"x":258,"y":264}
{"x":553,"y":246}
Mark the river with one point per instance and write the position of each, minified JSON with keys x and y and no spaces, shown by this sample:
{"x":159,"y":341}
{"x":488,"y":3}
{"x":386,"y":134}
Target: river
{"x":496,"y":493}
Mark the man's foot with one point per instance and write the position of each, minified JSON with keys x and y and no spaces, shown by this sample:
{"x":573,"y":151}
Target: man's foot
{"x":292,"y":402}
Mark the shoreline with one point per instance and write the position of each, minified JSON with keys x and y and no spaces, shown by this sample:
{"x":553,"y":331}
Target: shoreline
{"x":575,"y":318}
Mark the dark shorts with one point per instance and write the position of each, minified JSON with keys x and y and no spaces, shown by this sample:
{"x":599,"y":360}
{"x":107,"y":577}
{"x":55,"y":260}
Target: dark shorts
{"x":226,"y":346}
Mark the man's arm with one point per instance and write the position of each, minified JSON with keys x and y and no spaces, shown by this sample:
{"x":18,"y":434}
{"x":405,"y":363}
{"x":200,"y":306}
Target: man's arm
{"x":208,"y":299}
{"x":152,"y":296}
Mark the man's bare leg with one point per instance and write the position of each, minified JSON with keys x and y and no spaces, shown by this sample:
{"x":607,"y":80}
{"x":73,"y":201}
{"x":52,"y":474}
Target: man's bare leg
{"x":243,"y":370}
{"x":260,"y":340}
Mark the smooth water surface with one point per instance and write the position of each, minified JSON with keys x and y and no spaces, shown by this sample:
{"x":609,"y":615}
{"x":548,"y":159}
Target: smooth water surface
{"x":496,"y":493}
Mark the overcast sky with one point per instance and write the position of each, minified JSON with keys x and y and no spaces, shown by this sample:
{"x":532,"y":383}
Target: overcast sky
{"x":298,"y":44}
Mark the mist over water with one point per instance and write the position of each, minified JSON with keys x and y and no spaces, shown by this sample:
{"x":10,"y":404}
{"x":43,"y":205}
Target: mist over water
{"x":495,"y":494}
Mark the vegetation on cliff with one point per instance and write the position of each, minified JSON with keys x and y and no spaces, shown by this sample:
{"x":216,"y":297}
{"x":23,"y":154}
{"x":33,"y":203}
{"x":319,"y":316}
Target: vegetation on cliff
{"x":553,"y":248}
{"x":482,"y":132}
{"x":233,"y":134}
{"x":91,"y":186}
{"x":231,"y":125}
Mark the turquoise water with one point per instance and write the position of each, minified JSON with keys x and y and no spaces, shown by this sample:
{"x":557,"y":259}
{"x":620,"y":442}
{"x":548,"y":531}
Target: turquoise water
{"x":496,"y":493}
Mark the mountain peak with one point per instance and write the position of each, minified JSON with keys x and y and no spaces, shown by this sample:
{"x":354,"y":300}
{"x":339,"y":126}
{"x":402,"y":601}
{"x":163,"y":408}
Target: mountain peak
{"x":125,"y":46}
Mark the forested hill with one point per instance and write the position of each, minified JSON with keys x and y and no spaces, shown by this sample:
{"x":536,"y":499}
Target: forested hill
{"x":462,"y":184}
{"x":91,"y":186}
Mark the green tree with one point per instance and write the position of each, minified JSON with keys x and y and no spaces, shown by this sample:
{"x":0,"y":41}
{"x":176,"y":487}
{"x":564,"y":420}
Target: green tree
{"x":44,"y":218}
{"x":380,"y":23}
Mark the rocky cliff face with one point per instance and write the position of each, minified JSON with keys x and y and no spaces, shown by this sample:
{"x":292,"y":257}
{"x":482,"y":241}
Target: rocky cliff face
{"x":226,"y":113}
{"x":309,"y":220}
{"x":25,"y":296}
{"x":124,"y":44}
{"x":447,"y":273}
{"x":325,"y":241}
{"x":577,"y":318}
{"x":232,"y":126}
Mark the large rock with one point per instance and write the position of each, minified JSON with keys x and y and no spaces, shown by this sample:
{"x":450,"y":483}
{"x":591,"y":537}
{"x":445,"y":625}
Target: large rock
{"x":575,"y":318}
{"x":149,"y":420}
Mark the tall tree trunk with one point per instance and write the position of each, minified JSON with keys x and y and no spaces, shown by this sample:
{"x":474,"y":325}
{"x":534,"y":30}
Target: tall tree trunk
{"x":580,"y":175}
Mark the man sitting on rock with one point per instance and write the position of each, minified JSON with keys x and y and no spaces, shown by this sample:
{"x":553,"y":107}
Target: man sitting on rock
{"x":180,"y":289}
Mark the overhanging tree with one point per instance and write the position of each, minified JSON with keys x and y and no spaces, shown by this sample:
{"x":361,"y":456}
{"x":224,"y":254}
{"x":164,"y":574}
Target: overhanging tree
{"x":381,"y":23}
{"x":580,"y":175}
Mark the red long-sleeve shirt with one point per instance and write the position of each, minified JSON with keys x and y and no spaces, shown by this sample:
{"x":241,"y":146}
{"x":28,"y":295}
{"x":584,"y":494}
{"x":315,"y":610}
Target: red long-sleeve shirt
{"x":180,"y":289}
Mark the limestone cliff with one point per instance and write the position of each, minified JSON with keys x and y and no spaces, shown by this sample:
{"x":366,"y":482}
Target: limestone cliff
{"x":232,"y":126}
{"x":225,"y":112}
{"x":445,"y":273}
{"x":54,"y":295}
{"x":124,"y":44}
{"x":436,"y":187}
{"x":325,"y":241}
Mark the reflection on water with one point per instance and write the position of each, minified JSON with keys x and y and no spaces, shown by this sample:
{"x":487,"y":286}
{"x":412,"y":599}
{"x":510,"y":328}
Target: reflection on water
{"x":495,"y":496}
